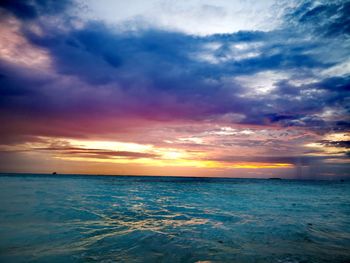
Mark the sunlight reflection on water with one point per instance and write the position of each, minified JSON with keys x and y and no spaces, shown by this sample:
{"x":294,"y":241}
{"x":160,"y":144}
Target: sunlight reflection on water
{"x":150,"y":219}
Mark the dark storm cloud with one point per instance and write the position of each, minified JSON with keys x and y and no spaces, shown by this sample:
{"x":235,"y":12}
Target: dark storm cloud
{"x":24,"y":9}
{"x":340,"y":144}
{"x":329,"y":18}
{"x":162,"y":75}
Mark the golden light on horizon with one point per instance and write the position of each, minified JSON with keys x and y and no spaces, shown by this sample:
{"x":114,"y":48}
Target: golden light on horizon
{"x":129,"y":154}
{"x":330,"y":144}
{"x":183,"y":163}
{"x":110,"y":145}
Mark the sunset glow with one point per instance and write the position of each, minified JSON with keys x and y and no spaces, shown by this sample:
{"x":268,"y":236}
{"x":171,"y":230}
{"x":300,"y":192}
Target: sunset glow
{"x":215,"y":89}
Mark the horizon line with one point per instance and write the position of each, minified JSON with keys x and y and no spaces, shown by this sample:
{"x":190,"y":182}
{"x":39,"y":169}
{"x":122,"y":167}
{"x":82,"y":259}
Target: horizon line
{"x":174,"y":176}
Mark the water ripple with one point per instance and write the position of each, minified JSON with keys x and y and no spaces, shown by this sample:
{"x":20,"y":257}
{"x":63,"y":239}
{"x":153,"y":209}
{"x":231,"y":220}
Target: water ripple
{"x":90,"y":219}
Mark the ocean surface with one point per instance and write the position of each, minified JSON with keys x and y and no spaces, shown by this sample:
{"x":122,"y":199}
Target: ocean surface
{"x":46,"y":218}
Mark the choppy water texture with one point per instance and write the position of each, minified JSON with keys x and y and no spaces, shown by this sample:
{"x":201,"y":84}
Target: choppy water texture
{"x":152,"y":219}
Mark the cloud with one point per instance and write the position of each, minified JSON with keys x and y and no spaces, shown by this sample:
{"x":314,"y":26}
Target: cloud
{"x":340,"y":144}
{"x":156,"y":62}
{"x":189,"y":17}
{"x":96,"y":153}
{"x":95,"y":79}
{"x":33,"y":9}
{"x":322,"y":17}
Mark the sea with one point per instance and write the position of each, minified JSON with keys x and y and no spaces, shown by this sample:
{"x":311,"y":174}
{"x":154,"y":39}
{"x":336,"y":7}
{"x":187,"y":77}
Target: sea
{"x":76,"y":218}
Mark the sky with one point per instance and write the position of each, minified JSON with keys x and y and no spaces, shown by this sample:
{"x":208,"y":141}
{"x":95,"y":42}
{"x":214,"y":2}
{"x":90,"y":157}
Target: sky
{"x":179,"y":88}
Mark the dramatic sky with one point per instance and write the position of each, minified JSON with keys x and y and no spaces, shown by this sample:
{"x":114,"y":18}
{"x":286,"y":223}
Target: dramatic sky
{"x":191,"y":88}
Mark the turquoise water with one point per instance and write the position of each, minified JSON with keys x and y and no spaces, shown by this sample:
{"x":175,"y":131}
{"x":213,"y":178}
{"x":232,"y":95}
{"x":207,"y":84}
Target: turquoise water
{"x":153,"y":219}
